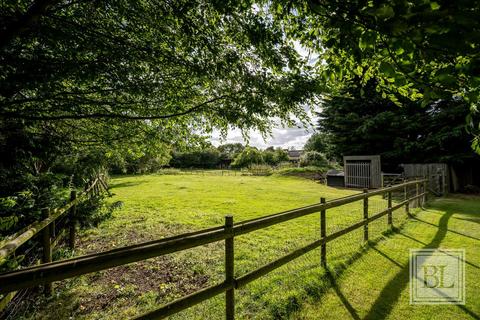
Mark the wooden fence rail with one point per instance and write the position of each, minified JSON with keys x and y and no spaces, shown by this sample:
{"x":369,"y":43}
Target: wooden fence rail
{"x":50,"y":234}
{"x":47,"y":273}
{"x":13,"y":242}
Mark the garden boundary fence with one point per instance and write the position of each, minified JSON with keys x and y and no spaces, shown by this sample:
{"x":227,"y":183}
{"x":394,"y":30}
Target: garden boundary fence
{"x":53,"y":227}
{"x":45,"y":274}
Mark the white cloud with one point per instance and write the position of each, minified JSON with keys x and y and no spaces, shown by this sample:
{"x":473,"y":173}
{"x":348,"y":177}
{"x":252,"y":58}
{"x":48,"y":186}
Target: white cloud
{"x":311,"y":56}
{"x":281,"y":137}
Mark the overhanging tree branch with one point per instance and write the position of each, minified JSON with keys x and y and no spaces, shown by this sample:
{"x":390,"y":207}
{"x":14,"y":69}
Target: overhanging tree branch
{"x":98,"y":115}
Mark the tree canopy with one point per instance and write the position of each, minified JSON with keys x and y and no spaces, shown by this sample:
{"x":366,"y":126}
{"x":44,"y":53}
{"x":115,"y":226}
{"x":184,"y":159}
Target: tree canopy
{"x":229,"y":151}
{"x":87,"y":83}
{"x":422,"y":49}
{"x":370,"y":124}
{"x":173,"y":68}
{"x":91,"y":83}
{"x":320,"y":142}
{"x":249,"y":156}
{"x":204,"y":63}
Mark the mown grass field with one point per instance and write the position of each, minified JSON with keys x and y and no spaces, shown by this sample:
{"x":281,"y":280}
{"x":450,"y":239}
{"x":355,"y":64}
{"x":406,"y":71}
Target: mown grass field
{"x":364,"y":281}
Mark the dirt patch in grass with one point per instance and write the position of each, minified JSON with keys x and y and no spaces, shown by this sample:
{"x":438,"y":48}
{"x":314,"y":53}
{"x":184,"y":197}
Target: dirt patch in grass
{"x":95,"y":243}
{"x":169,"y":279}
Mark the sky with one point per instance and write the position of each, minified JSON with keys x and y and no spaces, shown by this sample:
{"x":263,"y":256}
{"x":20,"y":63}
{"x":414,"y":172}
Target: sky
{"x":281,"y":137}
{"x":284,"y":137}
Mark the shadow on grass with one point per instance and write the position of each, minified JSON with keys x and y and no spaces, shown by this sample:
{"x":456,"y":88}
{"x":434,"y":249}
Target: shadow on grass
{"x":332,"y":273}
{"x":474,"y":220}
{"x":341,"y":296}
{"x":449,"y":230}
{"x":423,"y":243}
{"x":126,"y":184}
{"x":390,"y":294}
{"x":387,"y":257}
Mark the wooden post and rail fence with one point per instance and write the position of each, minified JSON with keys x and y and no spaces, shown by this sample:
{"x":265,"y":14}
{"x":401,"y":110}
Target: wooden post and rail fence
{"x":50,"y":235}
{"x":45,"y":274}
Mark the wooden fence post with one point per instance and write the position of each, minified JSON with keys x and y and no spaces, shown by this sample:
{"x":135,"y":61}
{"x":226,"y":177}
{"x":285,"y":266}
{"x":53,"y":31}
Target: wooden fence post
{"x":229,"y":269}
{"x":417,"y":192}
{"x":47,"y":248}
{"x":390,"y":213}
{"x":407,"y":207}
{"x":425,"y":191}
{"x":73,"y":221}
{"x":323,"y":234}
{"x":53,"y":231}
{"x":365,"y":215}
{"x":444,"y":184}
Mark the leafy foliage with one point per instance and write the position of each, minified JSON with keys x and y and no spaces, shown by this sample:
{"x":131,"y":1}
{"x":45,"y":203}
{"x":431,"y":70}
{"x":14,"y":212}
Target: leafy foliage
{"x":229,"y":151}
{"x":320,"y":142}
{"x":35,"y":170}
{"x":251,"y":156}
{"x":117,"y":84}
{"x":363,"y":122}
{"x":422,"y":50}
{"x":313,"y":159}
{"x":93,"y":211}
{"x":273,"y":156}
{"x":248,"y":157}
{"x":308,"y":171}
{"x":207,"y":158}
{"x":202,"y":63}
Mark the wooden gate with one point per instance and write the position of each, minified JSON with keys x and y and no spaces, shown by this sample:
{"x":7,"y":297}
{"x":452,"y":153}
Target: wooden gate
{"x":436,"y":173}
{"x":357,"y":174}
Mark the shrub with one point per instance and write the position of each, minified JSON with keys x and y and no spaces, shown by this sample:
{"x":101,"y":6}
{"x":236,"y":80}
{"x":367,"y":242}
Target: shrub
{"x":22,"y":207}
{"x":314,"y":173}
{"x":169,"y":171}
{"x":260,"y":170}
{"x":247,"y":158}
{"x":301,"y":170}
{"x":285,"y":164}
{"x":94,"y":210}
{"x":313,"y":158}
{"x":281,"y":156}
{"x":205,"y":159}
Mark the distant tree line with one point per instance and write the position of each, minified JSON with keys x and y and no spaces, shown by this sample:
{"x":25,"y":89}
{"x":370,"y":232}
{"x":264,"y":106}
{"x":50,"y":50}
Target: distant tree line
{"x":232,"y":154}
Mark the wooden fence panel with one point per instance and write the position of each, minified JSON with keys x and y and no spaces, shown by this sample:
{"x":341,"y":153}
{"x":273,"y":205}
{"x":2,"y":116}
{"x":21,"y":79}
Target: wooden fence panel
{"x":45,"y":274}
{"x":437,"y":175}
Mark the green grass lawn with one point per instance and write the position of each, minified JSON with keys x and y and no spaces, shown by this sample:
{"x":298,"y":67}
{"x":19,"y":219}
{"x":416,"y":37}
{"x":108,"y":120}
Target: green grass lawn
{"x":365,"y":281}
{"x":376,"y":285}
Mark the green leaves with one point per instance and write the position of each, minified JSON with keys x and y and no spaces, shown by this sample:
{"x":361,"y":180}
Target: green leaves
{"x":7,"y":223}
{"x":363,"y":119}
{"x":434,"y":5}
{"x":387,"y":69}
{"x":367,"y":40}
{"x":384,"y":12}
{"x":445,"y":76}
{"x":422,"y":50}
{"x":224,"y":64}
